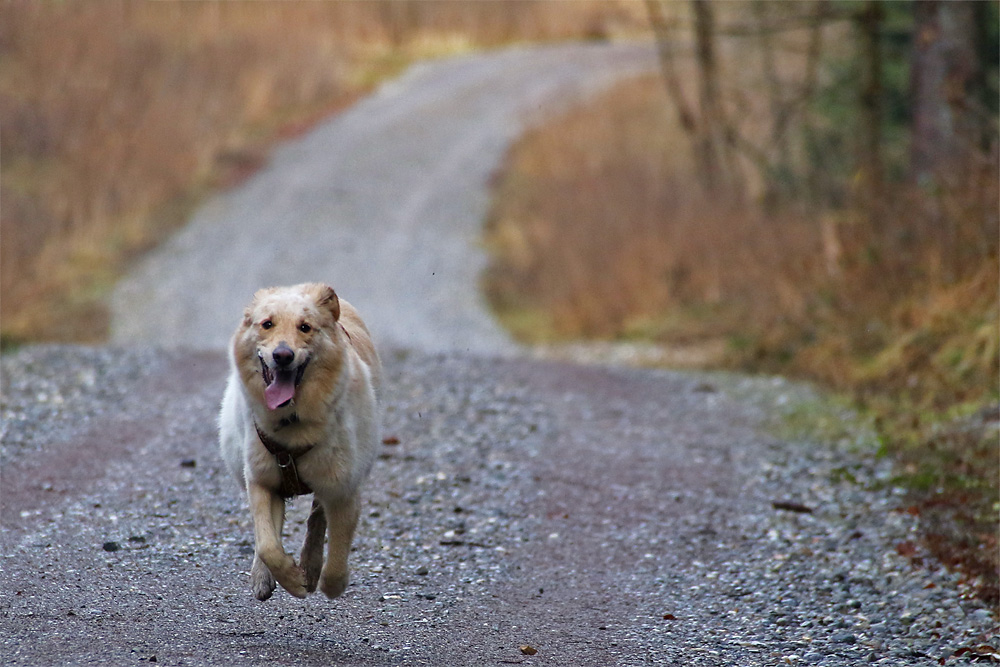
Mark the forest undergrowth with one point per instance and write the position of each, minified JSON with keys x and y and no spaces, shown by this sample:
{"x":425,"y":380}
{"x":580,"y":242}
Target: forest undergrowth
{"x":599,"y":230}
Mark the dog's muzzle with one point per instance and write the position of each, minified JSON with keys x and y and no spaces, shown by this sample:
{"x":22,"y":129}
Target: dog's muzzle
{"x":280,"y":383}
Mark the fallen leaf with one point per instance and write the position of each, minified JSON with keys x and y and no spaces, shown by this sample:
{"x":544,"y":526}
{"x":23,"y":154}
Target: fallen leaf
{"x":390,"y":440}
{"x":528,"y":650}
{"x":987,"y":651}
{"x":981,"y":651}
{"x":669,"y":617}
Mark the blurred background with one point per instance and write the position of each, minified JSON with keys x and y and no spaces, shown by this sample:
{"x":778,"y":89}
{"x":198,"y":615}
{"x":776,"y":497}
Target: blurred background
{"x":805,"y":188}
{"x":118,"y":117}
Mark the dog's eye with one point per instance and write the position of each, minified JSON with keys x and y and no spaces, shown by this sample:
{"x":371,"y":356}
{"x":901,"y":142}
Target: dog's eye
{"x":266,"y":324}
{"x":305,"y":328}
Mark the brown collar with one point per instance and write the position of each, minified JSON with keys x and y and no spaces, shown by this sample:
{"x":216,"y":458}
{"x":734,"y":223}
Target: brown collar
{"x":291,"y":485}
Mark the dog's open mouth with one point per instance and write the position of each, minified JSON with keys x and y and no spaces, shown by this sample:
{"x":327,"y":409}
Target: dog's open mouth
{"x":280,"y":383}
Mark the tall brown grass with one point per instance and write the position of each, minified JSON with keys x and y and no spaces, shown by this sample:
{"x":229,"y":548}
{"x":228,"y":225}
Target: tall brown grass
{"x":116,"y":116}
{"x":602,"y":230}
{"x":599,"y":229}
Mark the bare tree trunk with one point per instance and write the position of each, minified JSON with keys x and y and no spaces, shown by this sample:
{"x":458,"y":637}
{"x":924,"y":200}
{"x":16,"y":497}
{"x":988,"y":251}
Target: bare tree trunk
{"x":718,"y":159}
{"x":780,"y":154}
{"x":810,"y":85}
{"x":706,"y":127}
{"x":665,"y":29}
{"x":942,"y":67}
{"x":871,"y":168}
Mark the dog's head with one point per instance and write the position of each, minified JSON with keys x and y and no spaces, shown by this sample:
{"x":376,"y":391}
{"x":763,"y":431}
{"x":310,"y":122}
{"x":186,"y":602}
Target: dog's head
{"x":285,"y":331}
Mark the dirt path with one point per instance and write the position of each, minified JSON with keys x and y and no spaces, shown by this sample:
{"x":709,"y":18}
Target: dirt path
{"x":385,"y":202}
{"x":600,"y":516}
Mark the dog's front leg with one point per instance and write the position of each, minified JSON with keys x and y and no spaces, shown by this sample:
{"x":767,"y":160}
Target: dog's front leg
{"x":268,"y":510}
{"x":341,"y":517}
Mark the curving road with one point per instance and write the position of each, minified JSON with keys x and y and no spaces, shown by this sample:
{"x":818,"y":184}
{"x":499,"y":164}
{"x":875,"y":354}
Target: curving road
{"x":385,"y":202}
{"x":599,"y":516}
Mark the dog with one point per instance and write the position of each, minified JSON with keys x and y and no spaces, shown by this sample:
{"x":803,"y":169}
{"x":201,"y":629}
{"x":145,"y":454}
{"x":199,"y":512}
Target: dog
{"x":300,"y":414}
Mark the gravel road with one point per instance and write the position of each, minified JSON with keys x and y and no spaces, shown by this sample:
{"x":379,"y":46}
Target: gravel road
{"x":599,"y":515}
{"x":385,"y":202}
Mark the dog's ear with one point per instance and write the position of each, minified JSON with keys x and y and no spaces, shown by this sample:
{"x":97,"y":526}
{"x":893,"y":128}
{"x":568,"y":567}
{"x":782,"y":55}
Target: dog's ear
{"x":327,"y":298}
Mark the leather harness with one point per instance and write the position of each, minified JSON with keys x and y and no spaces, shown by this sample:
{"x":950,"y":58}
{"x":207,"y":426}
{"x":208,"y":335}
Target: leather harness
{"x":291,"y":484}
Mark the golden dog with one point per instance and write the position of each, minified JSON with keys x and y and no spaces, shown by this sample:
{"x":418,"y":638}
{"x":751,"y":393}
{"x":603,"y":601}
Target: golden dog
{"x":300,"y":415}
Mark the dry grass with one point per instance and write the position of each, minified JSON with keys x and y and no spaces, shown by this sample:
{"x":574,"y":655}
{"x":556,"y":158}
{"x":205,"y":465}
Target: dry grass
{"x":599,"y":230}
{"x":115,"y":117}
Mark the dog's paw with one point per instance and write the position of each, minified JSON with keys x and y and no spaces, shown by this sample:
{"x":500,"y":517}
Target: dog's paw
{"x":333,"y":586}
{"x":261,"y":582}
{"x":281,"y":566}
{"x":293,"y":580}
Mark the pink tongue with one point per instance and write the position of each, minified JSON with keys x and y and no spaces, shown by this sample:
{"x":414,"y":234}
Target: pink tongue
{"x":281,"y":390}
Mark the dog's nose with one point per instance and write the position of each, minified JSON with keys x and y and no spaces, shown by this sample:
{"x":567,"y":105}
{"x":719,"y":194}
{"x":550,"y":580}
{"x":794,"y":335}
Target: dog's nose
{"x":283,"y":355}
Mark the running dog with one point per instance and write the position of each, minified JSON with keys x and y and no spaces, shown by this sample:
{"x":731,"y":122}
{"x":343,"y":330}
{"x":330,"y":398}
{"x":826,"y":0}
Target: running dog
{"x":300,"y":415}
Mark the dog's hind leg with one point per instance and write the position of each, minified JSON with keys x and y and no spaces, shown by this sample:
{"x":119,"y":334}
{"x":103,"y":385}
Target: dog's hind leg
{"x":342,"y":518}
{"x":311,"y":559}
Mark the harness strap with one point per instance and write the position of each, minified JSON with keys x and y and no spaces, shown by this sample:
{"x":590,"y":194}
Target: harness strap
{"x":291,"y":484}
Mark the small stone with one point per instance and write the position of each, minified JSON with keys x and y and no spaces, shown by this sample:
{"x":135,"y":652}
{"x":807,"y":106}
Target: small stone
{"x":845,"y":638}
{"x":188,"y":463}
{"x":982,"y":615}
{"x":111,"y":546}
{"x":422,"y":571}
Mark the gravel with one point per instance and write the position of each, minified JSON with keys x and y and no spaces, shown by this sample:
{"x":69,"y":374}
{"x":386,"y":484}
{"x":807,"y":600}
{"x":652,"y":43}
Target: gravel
{"x":597,"y":515}
{"x":523,"y":511}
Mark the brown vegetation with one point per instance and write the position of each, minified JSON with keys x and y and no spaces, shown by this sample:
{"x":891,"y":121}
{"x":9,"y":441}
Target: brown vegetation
{"x":116,"y":116}
{"x":600,"y":230}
